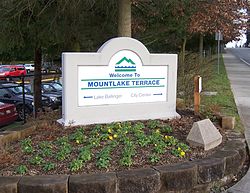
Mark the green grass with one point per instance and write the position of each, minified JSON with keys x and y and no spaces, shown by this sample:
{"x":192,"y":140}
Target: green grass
{"x":223,"y":102}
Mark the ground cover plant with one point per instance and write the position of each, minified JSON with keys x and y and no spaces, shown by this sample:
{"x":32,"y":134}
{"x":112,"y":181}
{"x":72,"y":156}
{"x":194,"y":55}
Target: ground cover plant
{"x":53,"y":149}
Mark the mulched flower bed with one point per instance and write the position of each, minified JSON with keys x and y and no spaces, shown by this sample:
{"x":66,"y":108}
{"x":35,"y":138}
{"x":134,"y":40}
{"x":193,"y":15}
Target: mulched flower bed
{"x":53,"y":149}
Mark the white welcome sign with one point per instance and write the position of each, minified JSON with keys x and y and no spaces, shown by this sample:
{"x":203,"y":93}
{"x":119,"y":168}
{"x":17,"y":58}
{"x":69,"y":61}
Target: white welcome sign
{"x":124,"y":80}
{"x":121,"y":82}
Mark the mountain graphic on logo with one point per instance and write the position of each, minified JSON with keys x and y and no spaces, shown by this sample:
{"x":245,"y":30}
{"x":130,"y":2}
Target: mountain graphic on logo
{"x":125,"y":65}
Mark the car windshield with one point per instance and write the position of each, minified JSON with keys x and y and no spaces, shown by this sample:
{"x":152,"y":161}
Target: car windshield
{"x":48,"y":87}
{"x":18,"y":90}
{"x":28,"y":88}
{"x":29,"y":65}
{"x":4,"y":69}
{"x":57,"y":86}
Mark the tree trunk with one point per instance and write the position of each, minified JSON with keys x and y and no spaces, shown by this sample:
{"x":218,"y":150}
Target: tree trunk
{"x":183,"y":53}
{"x":183,"y":50}
{"x":124,"y":18}
{"x":76,"y":47}
{"x":37,"y":81}
{"x":201,"y":49}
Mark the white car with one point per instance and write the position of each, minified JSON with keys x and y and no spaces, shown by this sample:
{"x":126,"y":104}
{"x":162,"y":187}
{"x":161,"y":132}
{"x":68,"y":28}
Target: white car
{"x":29,"y":67}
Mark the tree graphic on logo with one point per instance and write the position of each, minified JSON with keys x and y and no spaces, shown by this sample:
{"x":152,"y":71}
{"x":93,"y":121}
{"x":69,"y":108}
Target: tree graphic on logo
{"x":125,"y":65}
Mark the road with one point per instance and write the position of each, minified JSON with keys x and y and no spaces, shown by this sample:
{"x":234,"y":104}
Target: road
{"x":242,"y":53}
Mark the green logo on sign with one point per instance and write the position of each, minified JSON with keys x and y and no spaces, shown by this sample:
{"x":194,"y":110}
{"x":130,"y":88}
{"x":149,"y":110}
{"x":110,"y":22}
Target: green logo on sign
{"x":125,"y":65}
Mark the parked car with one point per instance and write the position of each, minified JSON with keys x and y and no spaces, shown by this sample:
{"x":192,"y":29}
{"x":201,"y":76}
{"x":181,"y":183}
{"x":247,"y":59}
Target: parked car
{"x":13,"y":94}
{"x":51,"y":69}
{"x":55,"y":98}
{"x":8,"y":114}
{"x":29,"y":68}
{"x":51,"y":87}
{"x":12,"y":70}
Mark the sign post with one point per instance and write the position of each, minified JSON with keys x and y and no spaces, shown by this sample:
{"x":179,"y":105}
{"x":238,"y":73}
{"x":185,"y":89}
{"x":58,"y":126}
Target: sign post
{"x":218,"y":37}
{"x":197,"y":91}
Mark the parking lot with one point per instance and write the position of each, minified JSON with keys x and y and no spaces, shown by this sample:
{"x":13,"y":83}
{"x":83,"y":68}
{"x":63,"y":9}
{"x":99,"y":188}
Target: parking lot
{"x":17,"y":100}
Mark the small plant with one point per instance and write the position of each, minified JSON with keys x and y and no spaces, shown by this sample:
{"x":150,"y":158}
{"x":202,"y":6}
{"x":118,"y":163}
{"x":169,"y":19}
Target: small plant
{"x":128,"y":153}
{"x":103,"y":137}
{"x":183,"y":146}
{"x":46,"y":149}
{"x":178,"y":152}
{"x":26,"y":146}
{"x":36,"y":160}
{"x":85,"y":154}
{"x":170,"y":140}
{"x":98,"y":128}
{"x":75,"y":165}
{"x":156,"y":137}
{"x":61,"y":155}
{"x":154,"y":158}
{"x":103,"y":162}
{"x":138,"y":126}
{"x":96,"y":131}
{"x":65,"y":148}
{"x":78,"y":136}
{"x":126,"y":124}
{"x":153,"y":124}
{"x":175,"y":152}
{"x":64,"y":152}
{"x":62,"y":141}
{"x":113,"y":144}
{"x":142,"y":139}
{"x":49,"y":166}
{"x":167,"y":129}
{"x":104,"y":157}
{"x":126,"y":161}
{"x":22,"y":169}
{"x":159,"y":148}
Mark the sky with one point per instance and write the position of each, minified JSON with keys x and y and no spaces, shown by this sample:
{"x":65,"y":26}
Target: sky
{"x":239,"y":43}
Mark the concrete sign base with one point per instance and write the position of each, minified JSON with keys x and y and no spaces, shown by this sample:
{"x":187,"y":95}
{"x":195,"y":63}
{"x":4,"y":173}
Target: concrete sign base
{"x":121,"y":82}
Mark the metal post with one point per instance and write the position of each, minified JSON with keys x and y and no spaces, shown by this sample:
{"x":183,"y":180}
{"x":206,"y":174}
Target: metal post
{"x":218,"y":37}
{"x":24,"y":114}
{"x":218,"y":62}
{"x":34,"y":99}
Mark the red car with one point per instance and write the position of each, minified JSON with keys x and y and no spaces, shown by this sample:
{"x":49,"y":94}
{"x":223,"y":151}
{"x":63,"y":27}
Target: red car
{"x":8,"y":113}
{"x":12,"y":70}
